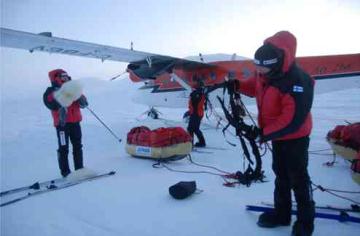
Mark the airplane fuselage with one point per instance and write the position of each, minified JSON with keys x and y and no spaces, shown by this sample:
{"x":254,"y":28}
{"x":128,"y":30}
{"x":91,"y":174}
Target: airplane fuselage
{"x":320,"y":67}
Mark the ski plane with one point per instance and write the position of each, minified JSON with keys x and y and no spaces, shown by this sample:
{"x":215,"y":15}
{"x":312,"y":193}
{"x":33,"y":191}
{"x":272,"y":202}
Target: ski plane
{"x":164,"y":75}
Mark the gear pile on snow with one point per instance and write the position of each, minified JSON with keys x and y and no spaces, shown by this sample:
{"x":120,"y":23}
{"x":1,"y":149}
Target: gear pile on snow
{"x":159,"y":144}
{"x":345,"y":142}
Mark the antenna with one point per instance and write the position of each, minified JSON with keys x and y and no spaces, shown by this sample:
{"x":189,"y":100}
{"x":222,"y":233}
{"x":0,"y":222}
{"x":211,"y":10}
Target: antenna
{"x":47,"y":34}
{"x":233,"y":57}
{"x":201,"y":57}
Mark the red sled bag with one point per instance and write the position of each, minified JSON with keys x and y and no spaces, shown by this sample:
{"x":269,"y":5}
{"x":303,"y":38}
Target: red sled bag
{"x":138,"y":135}
{"x":345,"y":140}
{"x":158,"y":144}
{"x":336,"y":132}
{"x":350,"y":136}
{"x":163,"y":137}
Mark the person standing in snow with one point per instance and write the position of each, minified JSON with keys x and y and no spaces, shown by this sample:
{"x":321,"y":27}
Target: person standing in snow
{"x":66,"y":122}
{"x":196,"y":111}
{"x":284,"y":96}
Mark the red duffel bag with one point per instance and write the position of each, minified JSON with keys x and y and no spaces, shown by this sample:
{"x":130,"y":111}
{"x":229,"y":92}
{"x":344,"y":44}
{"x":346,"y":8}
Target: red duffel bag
{"x":162,"y":143}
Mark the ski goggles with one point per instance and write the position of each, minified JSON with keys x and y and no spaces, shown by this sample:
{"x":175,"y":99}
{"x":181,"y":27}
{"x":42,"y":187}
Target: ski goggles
{"x":266,"y":63}
{"x":64,"y":77}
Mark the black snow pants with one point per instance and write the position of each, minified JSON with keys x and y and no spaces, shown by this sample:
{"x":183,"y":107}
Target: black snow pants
{"x":290,"y":161}
{"x":70,"y":131}
{"x":194,"y":127}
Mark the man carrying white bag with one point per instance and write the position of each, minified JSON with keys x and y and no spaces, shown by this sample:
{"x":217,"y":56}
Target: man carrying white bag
{"x":64,"y":98}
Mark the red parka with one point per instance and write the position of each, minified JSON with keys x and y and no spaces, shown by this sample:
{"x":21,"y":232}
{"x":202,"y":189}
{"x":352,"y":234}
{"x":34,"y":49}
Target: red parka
{"x":197,"y":102}
{"x":284,"y":103}
{"x":73,"y":114}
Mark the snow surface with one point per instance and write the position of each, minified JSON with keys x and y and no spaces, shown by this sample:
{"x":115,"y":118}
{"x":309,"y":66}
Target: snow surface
{"x":135,"y":201}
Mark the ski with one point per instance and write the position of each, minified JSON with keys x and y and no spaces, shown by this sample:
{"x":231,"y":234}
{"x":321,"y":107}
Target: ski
{"x":34,"y":186}
{"x":353,"y":208}
{"x":53,"y":186}
{"x":342,"y":217}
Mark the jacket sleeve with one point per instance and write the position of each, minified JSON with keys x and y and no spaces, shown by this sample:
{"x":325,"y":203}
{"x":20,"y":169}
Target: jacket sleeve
{"x":247,"y":87}
{"x":49,"y":100}
{"x":280,"y":126}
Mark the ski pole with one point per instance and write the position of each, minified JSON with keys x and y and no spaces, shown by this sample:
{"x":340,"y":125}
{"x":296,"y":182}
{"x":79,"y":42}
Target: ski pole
{"x":92,"y":112}
{"x":117,"y":76}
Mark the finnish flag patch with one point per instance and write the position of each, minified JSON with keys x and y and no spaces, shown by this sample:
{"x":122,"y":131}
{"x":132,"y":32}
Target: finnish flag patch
{"x":298,"y":89}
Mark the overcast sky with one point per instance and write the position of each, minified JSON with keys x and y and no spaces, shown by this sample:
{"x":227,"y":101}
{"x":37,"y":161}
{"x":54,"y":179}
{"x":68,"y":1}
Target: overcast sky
{"x":176,"y":28}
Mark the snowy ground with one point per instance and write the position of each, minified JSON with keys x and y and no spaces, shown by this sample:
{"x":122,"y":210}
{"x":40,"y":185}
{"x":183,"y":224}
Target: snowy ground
{"x":136,"y":201}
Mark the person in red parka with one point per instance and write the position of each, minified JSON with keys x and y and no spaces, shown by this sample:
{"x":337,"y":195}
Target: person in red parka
{"x":284,"y":96}
{"x":197,"y":103}
{"x":66,"y":121}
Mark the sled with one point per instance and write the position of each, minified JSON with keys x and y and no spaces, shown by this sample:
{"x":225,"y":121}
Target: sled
{"x":160,"y":144}
{"x":347,"y":153}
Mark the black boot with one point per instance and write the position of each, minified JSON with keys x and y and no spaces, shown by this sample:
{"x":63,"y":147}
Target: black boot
{"x":63,"y":162}
{"x":199,"y":144}
{"x":302,"y":229}
{"x":272,"y":219}
{"x":201,"y":139}
{"x":78,"y":159}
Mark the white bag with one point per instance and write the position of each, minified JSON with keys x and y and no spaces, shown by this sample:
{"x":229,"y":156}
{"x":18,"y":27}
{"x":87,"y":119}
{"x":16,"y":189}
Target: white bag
{"x":69,"y":92}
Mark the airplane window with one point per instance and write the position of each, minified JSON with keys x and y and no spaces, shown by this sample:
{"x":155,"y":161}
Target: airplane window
{"x":212,"y":76}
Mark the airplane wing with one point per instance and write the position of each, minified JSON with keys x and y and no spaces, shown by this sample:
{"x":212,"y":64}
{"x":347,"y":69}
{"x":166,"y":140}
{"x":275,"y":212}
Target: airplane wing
{"x":144,"y":64}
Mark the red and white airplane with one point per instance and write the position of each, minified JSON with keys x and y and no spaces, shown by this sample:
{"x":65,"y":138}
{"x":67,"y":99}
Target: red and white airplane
{"x":165,"y":75}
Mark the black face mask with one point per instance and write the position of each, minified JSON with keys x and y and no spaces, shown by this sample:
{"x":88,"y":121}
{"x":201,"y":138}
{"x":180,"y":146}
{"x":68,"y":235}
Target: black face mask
{"x":265,"y":57}
{"x":276,"y":71}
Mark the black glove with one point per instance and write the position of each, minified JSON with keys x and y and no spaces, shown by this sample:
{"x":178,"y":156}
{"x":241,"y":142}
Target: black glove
{"x":83,"y":101}
{"x":251,"y":131}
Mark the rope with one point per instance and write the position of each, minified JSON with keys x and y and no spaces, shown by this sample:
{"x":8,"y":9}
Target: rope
{"x":189,"y":171}
{"x":223,"y":174}
{"x":319,"y":152}
{"x":206,"y":166}
{"x":247,"y":111}
{"x":330,"y":191}
{"x":334,"y":190}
